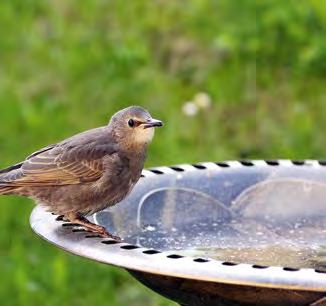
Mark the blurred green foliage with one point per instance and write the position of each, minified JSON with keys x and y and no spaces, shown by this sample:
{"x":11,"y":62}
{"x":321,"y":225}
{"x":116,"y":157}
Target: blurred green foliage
{"x":66,"y":66}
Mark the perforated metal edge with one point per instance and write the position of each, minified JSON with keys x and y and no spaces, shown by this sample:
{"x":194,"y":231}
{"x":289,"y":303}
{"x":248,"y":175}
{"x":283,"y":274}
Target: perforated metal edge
{"x":169,"y":263}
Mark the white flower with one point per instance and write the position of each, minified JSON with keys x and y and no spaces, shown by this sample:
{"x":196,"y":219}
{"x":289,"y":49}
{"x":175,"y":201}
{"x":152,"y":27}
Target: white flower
{"x":203,"y":100}
{"x":190,"y":109}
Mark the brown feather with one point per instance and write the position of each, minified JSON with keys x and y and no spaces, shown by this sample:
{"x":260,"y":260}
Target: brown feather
{"x":73,"y":161}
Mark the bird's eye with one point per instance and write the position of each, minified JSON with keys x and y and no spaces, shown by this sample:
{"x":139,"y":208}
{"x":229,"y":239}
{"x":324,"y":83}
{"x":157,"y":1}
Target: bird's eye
{"x":131,"y":122}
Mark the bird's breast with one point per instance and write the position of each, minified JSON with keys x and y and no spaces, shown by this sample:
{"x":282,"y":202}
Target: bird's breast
{"x":114,"y":188}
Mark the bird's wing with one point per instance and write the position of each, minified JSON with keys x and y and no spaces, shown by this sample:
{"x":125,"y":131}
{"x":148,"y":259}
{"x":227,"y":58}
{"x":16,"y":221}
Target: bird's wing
{"x":76,"y":160}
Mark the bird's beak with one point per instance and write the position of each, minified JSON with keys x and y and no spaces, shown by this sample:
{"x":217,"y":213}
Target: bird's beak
{"x":152,"y":123}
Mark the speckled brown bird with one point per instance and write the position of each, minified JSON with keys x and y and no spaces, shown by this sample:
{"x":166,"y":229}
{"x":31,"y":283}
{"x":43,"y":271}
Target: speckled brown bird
{"x":87,"y":172}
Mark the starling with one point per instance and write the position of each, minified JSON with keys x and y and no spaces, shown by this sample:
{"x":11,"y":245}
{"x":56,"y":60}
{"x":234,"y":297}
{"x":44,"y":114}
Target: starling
{"x":87,"y":172}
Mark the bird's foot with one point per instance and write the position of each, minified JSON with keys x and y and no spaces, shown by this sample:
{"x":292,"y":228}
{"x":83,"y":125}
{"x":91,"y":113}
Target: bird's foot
{"x":102,"y":232}
{"x":91,"y":227}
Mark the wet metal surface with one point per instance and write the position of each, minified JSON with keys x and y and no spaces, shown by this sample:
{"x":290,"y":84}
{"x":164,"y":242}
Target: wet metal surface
{"x":232,"y":232}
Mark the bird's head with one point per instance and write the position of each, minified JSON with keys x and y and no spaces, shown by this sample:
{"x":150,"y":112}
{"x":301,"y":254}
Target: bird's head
{"x":134,"y":126}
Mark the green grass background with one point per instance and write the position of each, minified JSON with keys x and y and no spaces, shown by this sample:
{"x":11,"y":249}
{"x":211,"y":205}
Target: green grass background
{"x":67,"y":66}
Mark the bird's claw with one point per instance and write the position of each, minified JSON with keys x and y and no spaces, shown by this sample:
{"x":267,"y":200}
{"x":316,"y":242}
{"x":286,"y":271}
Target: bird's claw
{"x":106,"y":234}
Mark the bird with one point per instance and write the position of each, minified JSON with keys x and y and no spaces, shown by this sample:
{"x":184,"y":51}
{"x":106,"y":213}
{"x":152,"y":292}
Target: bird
{"x":87,"y":172}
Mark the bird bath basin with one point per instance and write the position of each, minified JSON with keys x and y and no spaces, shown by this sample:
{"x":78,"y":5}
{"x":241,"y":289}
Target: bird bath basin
{"x":233,"y":233}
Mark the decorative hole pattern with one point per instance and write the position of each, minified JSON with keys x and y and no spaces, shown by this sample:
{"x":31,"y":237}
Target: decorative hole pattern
{"x":93,"y":236}
{"x":178,"y":169}
{"x":110,"y":242}
{"x":247,"y":163}
{"x":129,"y":247}
{"x":156,"y":171}
{"x":290,"y":269}
{"x":174,"y":256}
{"x":223,"y":165}
{"x":151,"y":252}
{"x":272,"y":162}
{"x":228,"y":263}
{"x":259,"y":267}
{"x":200,"y":167}
{"x":202,"y":260}
{"x":298,"y":162}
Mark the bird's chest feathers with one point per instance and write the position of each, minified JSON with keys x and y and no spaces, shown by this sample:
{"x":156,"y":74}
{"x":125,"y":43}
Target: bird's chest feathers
{"x":121,"y":174}
{"x":133,"y":158}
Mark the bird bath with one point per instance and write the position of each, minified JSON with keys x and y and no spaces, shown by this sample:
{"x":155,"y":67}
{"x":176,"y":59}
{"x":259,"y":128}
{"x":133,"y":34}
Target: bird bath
{"x":232,"y":233}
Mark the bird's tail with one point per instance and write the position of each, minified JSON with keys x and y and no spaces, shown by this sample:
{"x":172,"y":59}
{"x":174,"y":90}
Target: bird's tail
{"x":7,"y":178}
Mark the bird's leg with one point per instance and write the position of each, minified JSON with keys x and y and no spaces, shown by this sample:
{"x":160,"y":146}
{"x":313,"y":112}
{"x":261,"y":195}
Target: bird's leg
{"x":89,"y":226}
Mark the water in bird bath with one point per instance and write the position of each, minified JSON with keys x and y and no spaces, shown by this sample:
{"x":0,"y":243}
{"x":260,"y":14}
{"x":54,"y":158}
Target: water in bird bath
{"x":303,"y":246}
{"x":280,"y":222}
{"x":268,"y":255}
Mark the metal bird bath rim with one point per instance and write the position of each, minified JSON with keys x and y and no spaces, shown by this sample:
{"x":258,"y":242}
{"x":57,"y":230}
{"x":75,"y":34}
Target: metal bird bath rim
{"x":175,"y":208}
